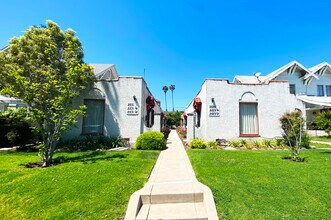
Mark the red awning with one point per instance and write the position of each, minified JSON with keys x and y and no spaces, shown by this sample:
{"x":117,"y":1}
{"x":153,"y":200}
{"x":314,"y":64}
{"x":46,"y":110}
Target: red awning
{"x":197,"y":104}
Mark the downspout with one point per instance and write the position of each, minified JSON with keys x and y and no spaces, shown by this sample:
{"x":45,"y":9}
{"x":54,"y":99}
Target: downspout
{"x":194,"y":123}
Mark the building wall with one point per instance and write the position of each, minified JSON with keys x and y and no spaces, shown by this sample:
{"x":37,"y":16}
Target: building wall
{"x":295,"y":79}
{"x":310,"y":89}
{"x":117,"y":94}
{"x":273,"y":100}
{"x":323,"y":80}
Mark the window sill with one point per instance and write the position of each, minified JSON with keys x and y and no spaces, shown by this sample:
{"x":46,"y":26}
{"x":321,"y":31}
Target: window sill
{"x":92,"y":134}
{"x":249,"y":135}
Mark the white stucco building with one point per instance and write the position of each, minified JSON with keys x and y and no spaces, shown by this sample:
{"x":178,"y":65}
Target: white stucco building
{"x":117,"y":106}
{"x":251,"y":106}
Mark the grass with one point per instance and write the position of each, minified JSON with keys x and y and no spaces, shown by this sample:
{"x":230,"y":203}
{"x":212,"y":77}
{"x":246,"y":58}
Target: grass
{"x":261,"y":185}
{"x":318,"y":145}
{"x":322,"y":138}
{"x":85,"y":185}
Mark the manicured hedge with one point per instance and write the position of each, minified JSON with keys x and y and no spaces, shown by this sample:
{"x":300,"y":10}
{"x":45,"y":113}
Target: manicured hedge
{"x":151,"y":140}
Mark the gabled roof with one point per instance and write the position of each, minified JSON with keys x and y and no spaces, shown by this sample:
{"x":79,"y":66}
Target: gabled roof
{"x":320,"y":69}
{"x":8,"y":99}
{"x":4,"y":49}
{"x":105,"y":71}
{"x":290,"y":68}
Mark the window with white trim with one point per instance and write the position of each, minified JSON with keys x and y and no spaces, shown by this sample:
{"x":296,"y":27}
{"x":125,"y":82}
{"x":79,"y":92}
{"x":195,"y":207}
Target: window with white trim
{"x":93,"y":120}
{"x":320,"y":90}
{"x":292,"y":88}
{"x":328,"y":90}
{"x":248,"y":119}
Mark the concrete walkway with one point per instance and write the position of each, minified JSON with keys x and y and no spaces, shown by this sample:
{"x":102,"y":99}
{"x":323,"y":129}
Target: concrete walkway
{"x":321,"y":142}
{"x":172,"y":191}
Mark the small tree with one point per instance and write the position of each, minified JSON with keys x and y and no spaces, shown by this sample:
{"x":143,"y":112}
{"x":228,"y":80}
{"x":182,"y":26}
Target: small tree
{"x":45,"y":69}
{"x":292,"y":124}
{"x":323,"y":121}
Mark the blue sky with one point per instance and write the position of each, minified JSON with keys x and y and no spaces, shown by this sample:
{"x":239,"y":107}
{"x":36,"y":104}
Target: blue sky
{"x":185,"y":41}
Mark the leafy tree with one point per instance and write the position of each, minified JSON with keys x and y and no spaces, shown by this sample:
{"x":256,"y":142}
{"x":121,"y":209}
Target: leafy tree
{"x":323,"y":121}
{"x":173,"y":118}
{"x":45,"y":69}
{"x":292,"y":124}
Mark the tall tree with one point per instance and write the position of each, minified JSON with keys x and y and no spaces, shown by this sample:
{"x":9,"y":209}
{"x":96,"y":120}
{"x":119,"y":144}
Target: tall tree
{"x":45,"y":69}
{"x":172,"y":88}
{"x":165,"y":90}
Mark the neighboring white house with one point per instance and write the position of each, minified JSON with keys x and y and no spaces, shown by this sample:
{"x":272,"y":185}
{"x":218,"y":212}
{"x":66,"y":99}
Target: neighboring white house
{"x":10,"y":102}
{"x":252,"y":105}
{"x":117,"y":106}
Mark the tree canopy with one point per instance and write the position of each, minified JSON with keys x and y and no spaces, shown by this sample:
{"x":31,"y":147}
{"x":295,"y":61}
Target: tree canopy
{"x":45,"y":69}
{"x":323,"y":121}
{"x":173,"y":118}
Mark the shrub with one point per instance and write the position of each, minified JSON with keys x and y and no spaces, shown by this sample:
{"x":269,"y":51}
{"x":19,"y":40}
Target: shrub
{"x":279,"y":142}
{"x":256,"y":144}
{"x":166,"y":132}
{"x":151,"y":140}
{"x":16,"y":128}
{"x":243,"y":143}
{"x":305,"y":140}
{"x":182,"y":131}
{"x":212,"y":145}
{"x":234,"y":144}
{"x":323,"y":121}
{"x":91,"y":143}
{"x":198,"y":144}
{"x":266,"y":143}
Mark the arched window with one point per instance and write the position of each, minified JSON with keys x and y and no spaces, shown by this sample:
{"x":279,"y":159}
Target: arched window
{"x":248,"y":115}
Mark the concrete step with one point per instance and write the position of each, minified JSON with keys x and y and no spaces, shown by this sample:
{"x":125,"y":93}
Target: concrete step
{"x":172,"y":193}
{"x":172,"y":211}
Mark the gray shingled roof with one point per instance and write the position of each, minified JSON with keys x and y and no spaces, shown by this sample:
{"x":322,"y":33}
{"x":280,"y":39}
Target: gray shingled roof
{"x":98,"y":68}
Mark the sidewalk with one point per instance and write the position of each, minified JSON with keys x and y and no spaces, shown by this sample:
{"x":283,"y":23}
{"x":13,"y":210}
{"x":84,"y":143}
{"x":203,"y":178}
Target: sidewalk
{"x":172,"y":191}
{"x":321,"y":142}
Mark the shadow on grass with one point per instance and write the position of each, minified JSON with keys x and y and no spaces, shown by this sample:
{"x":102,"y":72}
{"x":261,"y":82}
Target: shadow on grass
{"x":326,"y":152}
{"x":86,"y":158}
{"x":298,"y":159}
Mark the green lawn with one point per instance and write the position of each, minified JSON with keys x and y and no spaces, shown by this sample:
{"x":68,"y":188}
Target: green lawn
{"x":318,"y":145}
{"x":322,"y":138}
{"x":261,"y":185}
{"x":88,"y":185}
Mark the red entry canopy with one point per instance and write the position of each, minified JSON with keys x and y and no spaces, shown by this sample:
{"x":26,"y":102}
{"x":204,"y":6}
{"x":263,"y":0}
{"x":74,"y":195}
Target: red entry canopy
{"x":150,"y":102}
{"x":197,"y":104}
